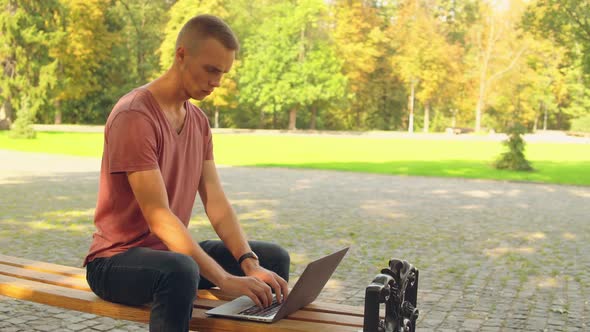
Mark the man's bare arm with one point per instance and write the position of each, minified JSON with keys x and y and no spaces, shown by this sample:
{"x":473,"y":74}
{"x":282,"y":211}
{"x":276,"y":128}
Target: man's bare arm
{"x":150,"y":192}
{"x":227,"y":227}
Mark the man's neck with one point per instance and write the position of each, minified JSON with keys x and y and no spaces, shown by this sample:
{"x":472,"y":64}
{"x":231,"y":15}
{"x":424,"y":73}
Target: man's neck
{"x":168,"y":93}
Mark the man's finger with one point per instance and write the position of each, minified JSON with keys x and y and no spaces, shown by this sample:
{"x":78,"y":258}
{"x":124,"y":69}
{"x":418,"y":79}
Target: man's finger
{"x":267,"y":293}
{"x":255,"y":299}
{"x":284,"y":286}
{"x":263,"y":292}
{"x":277,"y":288}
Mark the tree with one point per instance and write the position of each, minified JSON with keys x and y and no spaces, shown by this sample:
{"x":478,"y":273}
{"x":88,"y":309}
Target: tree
{"x":565,"y":21}
{"x":495,"y":52}
{"x":143,"y":22}
{"x":528,"y":92}
{"x":79,"y":51}
{"x":361,"y":43}
{"x":423,"y":59}
{"x":27,"y":27}
{"x":287,"y":67}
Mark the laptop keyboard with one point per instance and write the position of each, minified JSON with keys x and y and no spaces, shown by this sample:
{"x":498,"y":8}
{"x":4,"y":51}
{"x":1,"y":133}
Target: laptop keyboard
{"x":262,"y":312}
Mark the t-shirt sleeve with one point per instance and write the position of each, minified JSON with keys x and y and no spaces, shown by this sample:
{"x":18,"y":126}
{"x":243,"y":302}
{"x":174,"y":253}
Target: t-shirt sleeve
{"x":131,"y":143}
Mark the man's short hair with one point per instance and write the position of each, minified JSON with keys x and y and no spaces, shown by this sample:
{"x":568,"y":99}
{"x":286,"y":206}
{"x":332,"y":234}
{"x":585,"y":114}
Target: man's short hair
{"x":201,"y":27}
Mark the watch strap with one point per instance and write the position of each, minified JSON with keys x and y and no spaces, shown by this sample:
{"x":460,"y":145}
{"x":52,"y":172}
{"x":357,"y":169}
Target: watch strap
{"x":246,"y":256}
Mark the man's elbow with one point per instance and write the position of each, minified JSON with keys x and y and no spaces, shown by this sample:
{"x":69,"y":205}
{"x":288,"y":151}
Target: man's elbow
{"x":156,"y":218}
{"x":217,"y":213}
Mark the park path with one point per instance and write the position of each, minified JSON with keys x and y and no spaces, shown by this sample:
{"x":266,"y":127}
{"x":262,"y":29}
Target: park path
{"x":493,"y":256}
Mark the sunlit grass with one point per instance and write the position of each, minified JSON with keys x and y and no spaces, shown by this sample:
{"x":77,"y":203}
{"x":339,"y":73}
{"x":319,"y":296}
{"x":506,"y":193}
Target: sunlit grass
{"x":75,"y":144}
{"x":553,"y":162}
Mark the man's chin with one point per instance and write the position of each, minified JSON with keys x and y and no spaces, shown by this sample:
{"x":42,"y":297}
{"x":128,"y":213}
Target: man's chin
{"x":199,"y":96}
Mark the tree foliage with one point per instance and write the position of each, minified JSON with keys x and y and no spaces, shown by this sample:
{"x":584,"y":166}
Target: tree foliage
{"x":565,"y":21}
{"x":355,"y":65}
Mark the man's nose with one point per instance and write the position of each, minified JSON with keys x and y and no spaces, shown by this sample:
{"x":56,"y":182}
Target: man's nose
{"x":215,"y":82}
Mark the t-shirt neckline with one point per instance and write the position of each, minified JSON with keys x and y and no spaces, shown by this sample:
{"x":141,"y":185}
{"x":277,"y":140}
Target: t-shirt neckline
{"x":159,"y":108}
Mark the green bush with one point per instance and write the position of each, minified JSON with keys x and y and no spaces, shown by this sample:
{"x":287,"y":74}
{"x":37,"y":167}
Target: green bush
{"x":23,"y":126}
{"x":581,"y":125}
{"x":514,"y":158}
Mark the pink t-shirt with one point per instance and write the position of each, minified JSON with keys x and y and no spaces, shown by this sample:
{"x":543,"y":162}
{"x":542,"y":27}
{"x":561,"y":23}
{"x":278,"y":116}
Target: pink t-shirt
{"x":138,"y":137}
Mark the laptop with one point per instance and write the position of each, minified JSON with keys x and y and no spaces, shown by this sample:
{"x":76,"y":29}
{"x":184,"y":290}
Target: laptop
{"x":306,"y":290}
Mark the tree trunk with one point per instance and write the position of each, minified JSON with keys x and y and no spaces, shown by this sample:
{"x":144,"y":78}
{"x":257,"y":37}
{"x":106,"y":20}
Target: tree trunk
{"x":479,"y":106}
{"x":9,"y":72}
{"x":486,"y":80}
{"x":314,"y":114}
{"x":544,"y":117}
{"x":274,"y":119}
{"x":261,"y":119}
{"x":6,"y":115}
{"x":216,"y":117}
{"x":454,"y":120}
{"x":292,"y":118}
{"x":411,"y":106}
{"x":426,"y":117}
{"x":485,"y":55}
{"x":57,"y":115}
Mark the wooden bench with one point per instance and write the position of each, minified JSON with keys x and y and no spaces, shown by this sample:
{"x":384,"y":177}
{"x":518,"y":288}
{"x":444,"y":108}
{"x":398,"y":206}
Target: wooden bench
{"x":66,"y":287}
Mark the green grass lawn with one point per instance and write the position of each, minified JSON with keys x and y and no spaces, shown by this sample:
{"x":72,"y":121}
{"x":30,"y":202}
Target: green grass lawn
{"x":554,"y":162}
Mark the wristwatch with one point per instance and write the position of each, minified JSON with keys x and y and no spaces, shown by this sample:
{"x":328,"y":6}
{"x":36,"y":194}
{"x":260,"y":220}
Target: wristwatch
{"x":247,"y":255}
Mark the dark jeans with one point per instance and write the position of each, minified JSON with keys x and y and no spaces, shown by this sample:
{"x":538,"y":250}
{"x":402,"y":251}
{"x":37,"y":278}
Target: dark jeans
{"x":170,"y":280}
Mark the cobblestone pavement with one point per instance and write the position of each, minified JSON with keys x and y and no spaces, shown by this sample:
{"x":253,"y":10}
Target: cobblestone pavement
{"x":493,"y":256}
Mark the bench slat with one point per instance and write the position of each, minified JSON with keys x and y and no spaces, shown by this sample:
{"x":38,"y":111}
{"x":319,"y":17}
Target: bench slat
{"x":43,"y":267}
{"x":72,"y":299}
{"x":73,"y":281}
{"x":53,"y":274}
{"x":44,"y":277}
{"x":88,"y":302}
{"x":207,"y":298}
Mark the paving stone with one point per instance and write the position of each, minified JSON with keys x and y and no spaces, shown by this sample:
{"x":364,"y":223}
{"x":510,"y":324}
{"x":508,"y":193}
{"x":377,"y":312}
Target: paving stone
{"x":483,"y":258}
{"x":16,"y":321}
{"x":103,"y":327}
{"x":76,"y":327}
{"x":10,"y":329}
{"x":46,"y":328}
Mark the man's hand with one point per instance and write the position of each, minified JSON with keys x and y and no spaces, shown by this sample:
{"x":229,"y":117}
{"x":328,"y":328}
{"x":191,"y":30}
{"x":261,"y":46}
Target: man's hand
{"x":278,"y":284}
{"x":257,"y":286}
{"x":258,"y":291}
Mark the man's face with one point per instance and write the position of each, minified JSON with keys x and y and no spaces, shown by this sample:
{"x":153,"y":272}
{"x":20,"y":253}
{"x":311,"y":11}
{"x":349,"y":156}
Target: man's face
{"x":201,"y":71}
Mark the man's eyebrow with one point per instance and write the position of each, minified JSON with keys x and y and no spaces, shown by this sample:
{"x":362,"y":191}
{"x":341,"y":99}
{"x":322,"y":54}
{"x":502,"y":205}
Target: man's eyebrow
{"x":217,"y":69}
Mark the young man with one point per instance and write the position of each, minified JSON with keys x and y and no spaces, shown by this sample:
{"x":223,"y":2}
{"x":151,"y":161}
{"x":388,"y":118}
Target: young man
{"x":157,"y":154}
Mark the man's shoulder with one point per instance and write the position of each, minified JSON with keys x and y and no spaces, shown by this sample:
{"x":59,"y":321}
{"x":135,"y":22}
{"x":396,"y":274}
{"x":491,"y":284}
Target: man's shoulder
{"x":138,"y":99}
{"x":198,"y":112}
{"x":136,"y":103}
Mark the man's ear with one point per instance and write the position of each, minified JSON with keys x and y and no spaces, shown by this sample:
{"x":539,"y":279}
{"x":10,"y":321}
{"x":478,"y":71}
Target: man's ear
{"x":180,"y":53}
